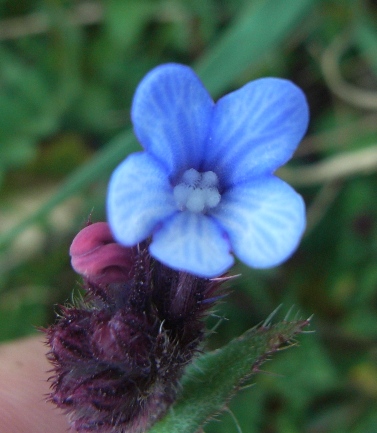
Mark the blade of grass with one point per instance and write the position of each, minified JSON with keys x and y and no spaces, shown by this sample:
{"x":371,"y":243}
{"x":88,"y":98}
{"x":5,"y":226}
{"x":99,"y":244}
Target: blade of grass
{"x":261,"y":27}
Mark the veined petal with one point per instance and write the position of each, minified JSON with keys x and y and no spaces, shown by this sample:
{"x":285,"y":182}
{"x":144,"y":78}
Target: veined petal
{"x":171,"y":114}
{"x":256,"y":129}
{"x":264,"y":220}
{"x":139,"y":197}
{"x":193,"y":243}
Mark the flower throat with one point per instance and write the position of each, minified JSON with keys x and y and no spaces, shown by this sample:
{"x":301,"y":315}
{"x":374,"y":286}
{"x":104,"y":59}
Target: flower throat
{"x":197,"y":192}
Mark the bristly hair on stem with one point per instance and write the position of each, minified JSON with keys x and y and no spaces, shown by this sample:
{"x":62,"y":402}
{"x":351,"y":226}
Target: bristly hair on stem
{"x":119,"y":354}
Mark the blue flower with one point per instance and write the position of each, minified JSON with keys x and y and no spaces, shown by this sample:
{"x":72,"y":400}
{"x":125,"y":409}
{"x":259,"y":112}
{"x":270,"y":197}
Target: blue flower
{"x":204,"y":187}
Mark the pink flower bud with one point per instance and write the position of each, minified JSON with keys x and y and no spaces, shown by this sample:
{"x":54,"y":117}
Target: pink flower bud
{"x":97,"y":257}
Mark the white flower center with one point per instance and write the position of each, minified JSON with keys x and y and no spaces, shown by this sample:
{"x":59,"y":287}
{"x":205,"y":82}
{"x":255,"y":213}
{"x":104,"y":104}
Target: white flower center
{"x":197,"y":192}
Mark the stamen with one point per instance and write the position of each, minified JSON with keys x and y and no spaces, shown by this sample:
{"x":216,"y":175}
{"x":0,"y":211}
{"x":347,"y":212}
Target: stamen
{"x":191,"y":177}
{"x":209,"y":178}
{"x":197,"y":192}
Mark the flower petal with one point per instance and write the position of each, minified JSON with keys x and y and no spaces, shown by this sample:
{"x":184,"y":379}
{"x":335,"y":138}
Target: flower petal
{"x":171,"y":114}
{"x":139,"y":197}
{"x":256,"y":129}
{"x":193,"y":243}
{"x":264,"y":220}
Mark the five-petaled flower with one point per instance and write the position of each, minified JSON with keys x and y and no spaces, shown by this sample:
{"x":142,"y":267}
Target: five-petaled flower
{"x":204,"y":187}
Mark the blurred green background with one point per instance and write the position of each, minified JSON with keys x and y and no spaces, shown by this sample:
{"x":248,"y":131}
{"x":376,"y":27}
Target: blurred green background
{"x":68,"y":70}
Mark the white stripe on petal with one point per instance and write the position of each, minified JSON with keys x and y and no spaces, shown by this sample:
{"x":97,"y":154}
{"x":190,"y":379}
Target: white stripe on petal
{"x":171,"y":113}
{"x":256,"y":129}
{"x":264,"y":220}
{"x":139,"y":197}
{"x":193,"y":243}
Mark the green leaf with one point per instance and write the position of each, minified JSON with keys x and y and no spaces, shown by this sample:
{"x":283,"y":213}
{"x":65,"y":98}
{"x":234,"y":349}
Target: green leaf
{"x":125,"y":21}
{"x":260,"y":28}
{"x":366,"y":39}
{"x":25,"y":104}
{"x":16,"y":150}
{"x":215,"y":377}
